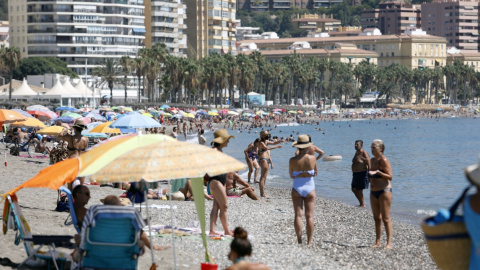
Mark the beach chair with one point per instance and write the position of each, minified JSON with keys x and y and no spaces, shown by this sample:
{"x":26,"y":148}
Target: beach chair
{"x":34,"y":243}
{"x":110,"y":237}
{"x":72,"y":218}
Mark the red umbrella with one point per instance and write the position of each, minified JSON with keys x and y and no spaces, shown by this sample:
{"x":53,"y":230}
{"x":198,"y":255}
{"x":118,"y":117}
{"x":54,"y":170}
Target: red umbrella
{"x":40,"y":113}
{"x":283,"y":110}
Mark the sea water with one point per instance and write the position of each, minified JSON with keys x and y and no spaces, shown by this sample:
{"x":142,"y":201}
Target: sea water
{"x":428,"y":158}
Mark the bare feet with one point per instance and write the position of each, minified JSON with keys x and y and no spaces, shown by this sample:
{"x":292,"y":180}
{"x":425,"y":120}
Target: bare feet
{"x":377,"y":245}
{"x":155,"y":247}
{"x":388,"y":246}
{"x":256,"y":182}
{"x":362,"y":205}
{"x":265,"y":196}
{"x":214,"y":234}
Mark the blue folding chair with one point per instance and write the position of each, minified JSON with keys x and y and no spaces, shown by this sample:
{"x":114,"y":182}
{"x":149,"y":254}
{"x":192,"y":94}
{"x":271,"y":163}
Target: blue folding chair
{"x":110,"y":237}
{"x":73,"y":216}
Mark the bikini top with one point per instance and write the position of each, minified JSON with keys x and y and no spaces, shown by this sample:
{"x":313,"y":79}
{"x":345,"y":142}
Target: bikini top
{"x":377,"y":175}
{"x":297,"y":173}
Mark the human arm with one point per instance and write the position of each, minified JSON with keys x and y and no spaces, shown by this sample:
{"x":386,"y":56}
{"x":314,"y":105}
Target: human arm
{"x":319,"y":152}
{"x":366,"y":159}
{"x":386,"y":167}
{"x":290,"y":168}
{"x":239,"y":180}
{"x":263,"y":145}
{"x":249,"y":148}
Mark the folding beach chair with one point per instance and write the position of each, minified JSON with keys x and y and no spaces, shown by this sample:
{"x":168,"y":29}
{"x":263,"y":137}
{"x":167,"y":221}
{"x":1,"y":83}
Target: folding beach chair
{"x":110,"y":237}
{"x":72,"y":218}
{"x":34,"y":243}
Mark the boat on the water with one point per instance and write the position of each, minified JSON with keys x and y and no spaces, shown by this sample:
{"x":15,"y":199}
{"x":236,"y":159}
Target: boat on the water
{"x":332,"y":158}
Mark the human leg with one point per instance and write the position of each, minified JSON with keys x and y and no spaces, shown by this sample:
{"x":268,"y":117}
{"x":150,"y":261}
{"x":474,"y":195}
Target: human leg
{"x":377,"y":217}
{"x":385,"y":202}
{"x":256,"y":167}
{"x":250,"y":193}
{"x":250,"y":168}
{"x":298,"y":208}
{"x":220,"y":196}
{"x":263,"y":176}
{"x":359,"y":196}
{"x":309,"y":207}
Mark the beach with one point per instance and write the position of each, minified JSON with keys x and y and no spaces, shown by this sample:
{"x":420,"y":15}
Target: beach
{"x":342,"y":238}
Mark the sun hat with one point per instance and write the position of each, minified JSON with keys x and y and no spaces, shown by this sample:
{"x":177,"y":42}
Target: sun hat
{"x":221,"y":136}
{"x":79,"y":123}
{"x":263,"y":133}
{"x":302,"y":142}
{"x":473,"y":173}
{"x":123,"y":201}
{"x":178,"y":196}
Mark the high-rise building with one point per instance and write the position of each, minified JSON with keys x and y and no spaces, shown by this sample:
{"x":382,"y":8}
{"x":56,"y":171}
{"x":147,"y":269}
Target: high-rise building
{"x":457,"y":21}
{"x":82,"y":34}
{"x":392,"y":17}
{"x":165,"y":23}
{"x":210,"y":27}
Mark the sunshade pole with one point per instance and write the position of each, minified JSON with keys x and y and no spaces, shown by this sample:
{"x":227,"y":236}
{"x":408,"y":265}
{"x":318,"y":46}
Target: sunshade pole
{"x":173,"y":226}
{"x":148,"y":223}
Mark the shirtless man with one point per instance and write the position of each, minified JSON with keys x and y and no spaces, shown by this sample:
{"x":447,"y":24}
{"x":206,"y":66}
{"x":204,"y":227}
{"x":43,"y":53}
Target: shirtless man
{"x":76,"y":143}
{"x":81,"y":196}
{"x":233,"y":190}
{"x":360,"y":167}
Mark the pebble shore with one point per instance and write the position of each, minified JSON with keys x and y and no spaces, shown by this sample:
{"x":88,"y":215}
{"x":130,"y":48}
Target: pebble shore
{"x":342,"y":238}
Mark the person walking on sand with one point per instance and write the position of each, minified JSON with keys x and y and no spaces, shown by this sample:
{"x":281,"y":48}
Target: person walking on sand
{"x":251,"y":159}
{"x":217,"y":186}
{"x":360,"y":166}
{"x":302,"y":169}
{"x":264,"y":158}
{"x":76,"y":143}
{"x":380,"y":175}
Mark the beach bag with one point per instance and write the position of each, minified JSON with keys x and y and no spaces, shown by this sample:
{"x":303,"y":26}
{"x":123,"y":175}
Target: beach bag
{"x":449,"y":242}
{"x":62,"y":203}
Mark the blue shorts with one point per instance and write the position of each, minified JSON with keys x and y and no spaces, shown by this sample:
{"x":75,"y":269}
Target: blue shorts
{"x":360,"y":180}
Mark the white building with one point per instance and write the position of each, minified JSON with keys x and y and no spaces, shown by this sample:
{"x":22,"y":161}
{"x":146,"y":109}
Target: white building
{"x":82,"y":34}
{"x":4,"y":36}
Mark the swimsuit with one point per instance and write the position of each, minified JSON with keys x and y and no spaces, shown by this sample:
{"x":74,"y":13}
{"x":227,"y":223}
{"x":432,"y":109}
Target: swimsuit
{"x":360,"y":180}
{"x":377,"y":193}
{"x":377,"y":175}
{"x":472,"y":219}
{"x":303,"y":185}
{"x":222,"y":178}
{"x":267,"y":159}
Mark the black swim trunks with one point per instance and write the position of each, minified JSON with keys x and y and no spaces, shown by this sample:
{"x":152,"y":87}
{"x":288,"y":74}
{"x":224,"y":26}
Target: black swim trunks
{"x":360,"y":180}
{"x":221,"y":177}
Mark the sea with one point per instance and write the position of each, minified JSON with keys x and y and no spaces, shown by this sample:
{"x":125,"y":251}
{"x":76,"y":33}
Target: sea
{"x":428,"y":158}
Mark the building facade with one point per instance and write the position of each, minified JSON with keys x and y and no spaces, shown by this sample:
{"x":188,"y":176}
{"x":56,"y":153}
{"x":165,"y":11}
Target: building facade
{"x":81,"y":34}
{"x":392,"y":17}
{"x":457,"y":21}
{"x":414,"y":50}
{"x":316,"y":23}
{"x":210,"y":27}
{"x":273,"y":5}
{"x":165,"y":23}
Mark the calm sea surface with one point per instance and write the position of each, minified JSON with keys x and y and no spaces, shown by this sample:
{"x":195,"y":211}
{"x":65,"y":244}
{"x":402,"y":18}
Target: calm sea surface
{"x":427,"y":156}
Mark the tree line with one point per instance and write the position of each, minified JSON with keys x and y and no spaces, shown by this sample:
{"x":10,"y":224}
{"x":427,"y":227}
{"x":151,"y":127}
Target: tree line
{"x":167,"y":78}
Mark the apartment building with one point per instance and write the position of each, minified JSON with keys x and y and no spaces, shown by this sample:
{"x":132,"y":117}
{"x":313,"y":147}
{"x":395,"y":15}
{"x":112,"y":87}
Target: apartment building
{"x":210,"y":27}
{"x":392,"y":17}
{"x":457,"y":21}
{"x":273,"y":5}
{"x":77,"y":33}
{"x":4,"y":36}
{"x":415,"y":49}
{"x":316,"y":23}
{"x":165,"y":23}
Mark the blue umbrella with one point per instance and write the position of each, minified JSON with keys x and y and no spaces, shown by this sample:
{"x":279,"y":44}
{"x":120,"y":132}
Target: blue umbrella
{"x":94,"y":134}
{"x":165,"y":106}
{"x":202,"y":112}
{"x":135,"y":120}
{"x":438,"y":109}
{"x":68,"y":109}
{"x":22,"y":112}
{"x":95,"y":116}
{"x":66,"y":119}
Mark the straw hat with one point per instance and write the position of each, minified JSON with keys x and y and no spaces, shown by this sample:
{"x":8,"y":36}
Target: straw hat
{"x":263,"y":133}
{"x":221,"y":136}
{"x":80,"y":124}
{"x":302,"y":142}
{"x":473,"y":173}
{"x":123,"y":201}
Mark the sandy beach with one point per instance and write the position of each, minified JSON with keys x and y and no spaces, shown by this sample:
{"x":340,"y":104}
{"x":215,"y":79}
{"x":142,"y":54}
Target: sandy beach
{"x":342,"y":239}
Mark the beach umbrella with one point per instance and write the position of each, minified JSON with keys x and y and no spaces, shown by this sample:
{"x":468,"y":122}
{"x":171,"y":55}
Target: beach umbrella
{"x":177,"y":116}
{"x":53,"y":130}
{"x":277,"y":112}
{"x":9,"y":116}
{"x":66,"y":119}
{"x":105,"y":128}
{"x":213,"y":113}
{"x":29,"y":122}
{"x":37,"y":107}
{"x":233,"y":113}
{"x":164,"y":106}
{"x":73,"y":115}
{"x":213,"y":110}
{"x":94,"y":134}
{"x":148,"y":114}
{"x":114,"y":108}
{"x":167,"y":114}
{"x":135,"y":120}
{"x":189,"y":115}
{"x":90,"y":126}
{"x":44,"y":114}
{"x":224,"y":111}
{"x":22,"y":112}
{"x":84,"y":109}
{"x":95,"y":116}
{"x":86,"y":120}
{"x":106,"y":109}
{"x":127,"y":109}
{"x":294,"y":112}
{"x":438,"y":109}
{"x":202,"y":113}
{"x":68,"y":109}
{"x":299,"y":111}
{"x":259,"y":112}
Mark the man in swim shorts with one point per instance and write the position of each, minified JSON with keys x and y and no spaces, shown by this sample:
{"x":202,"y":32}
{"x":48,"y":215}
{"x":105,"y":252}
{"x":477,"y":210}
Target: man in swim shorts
{"x":360,"y":166}
{"x":234,"y":190}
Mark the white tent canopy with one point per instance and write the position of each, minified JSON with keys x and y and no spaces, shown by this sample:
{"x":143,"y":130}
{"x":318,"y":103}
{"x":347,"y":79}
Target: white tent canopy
{"x":24,"y":90}
{"x":83,"y":89}
{"x":69,"y":87}
{"x":58,"y":90}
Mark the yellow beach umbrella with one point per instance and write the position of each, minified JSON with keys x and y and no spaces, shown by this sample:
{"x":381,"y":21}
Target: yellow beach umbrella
{"x":213,"y":113}
{"x":53,"y":130}
{"x":30,"y":122}
{"x":167,"y":160}
{"x":127,"y":109}
{"x":147,"y":114}
{"x":105,"y":128}
{"x":189,"y":115}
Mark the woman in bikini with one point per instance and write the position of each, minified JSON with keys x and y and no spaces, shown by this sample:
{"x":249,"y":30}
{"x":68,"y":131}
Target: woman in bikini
{"x":380,"y":176}
{"x":264,"y":158}
{"x":251,"y":158}
{"x":302,"y":168}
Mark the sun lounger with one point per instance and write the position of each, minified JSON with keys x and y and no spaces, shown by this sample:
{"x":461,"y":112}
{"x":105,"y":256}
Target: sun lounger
{"x":34,"y":243}
{"x":110,"y":237}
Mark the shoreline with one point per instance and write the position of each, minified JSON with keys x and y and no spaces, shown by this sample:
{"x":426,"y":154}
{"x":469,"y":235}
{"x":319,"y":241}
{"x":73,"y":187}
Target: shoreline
{"x":342,"y":237}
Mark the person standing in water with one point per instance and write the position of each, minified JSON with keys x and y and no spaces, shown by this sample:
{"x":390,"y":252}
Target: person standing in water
{"x":360,"y":166}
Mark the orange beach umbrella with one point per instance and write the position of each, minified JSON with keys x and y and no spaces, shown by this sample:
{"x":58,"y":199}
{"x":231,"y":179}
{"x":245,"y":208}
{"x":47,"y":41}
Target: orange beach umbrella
{"x":9,"y":116}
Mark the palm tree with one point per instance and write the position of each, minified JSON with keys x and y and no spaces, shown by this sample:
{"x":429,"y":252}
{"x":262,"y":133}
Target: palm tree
{"x":247,"y":70}
{"x":107,"y":71}
{"x":125,"y":63}
{"x":10,"y":58}
{"x":280,"y":77}
{"x":138,"y":64}
{"x":232,"y":71}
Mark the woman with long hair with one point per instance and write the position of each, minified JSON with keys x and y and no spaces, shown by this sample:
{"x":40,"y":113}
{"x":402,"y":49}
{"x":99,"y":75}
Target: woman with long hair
{"x":264,"y":158}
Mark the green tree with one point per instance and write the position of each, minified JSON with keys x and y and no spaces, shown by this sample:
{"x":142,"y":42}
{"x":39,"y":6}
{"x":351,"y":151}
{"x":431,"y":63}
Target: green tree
{"x":125,"y":62}
{"x":40,"y":66}
{"x":10,"y":60}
